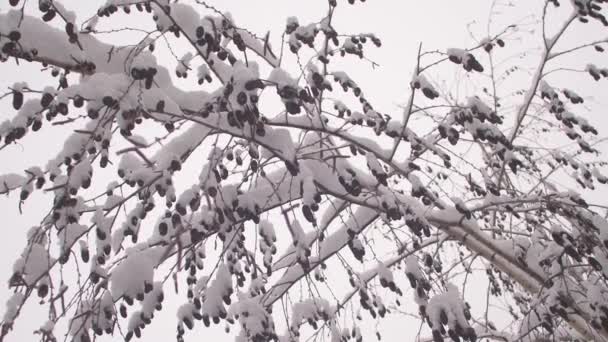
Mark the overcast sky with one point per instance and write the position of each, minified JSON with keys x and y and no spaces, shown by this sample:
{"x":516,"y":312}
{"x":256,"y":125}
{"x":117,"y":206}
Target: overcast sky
{"x":402,"y":26}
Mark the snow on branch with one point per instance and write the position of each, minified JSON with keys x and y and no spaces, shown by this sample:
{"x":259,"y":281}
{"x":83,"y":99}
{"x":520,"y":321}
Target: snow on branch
{"x":259,"y":192}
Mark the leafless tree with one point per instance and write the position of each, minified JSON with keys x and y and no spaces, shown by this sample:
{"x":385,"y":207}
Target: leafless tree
{"x":322,"y":191}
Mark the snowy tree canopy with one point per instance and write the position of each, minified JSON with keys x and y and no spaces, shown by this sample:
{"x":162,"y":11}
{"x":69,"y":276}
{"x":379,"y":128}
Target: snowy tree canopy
{"x":308,"y":211}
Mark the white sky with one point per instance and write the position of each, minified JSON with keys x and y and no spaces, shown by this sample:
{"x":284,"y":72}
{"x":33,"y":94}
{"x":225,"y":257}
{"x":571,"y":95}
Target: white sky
{"x":401,"y":25}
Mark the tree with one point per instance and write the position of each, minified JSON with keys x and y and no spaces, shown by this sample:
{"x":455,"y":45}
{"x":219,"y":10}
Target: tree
{"x":304,"y":188}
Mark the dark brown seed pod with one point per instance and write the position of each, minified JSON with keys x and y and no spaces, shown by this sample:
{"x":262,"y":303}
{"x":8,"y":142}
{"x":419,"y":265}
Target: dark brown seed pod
{"x":17,"y":99}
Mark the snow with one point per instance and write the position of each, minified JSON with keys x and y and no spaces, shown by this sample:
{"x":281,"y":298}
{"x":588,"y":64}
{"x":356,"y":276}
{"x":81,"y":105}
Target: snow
{"x":185,"y":312}
{"x":204,"y":73}
{"x":12,"y":305}
{"x":282,"y":78}
{"x":70,"y":234}
{"x":219,"y":287}
{"x":448,"y":305}
{"x":267,"y":242}
{"x":252,"y":317}
{"x":355,"y":223}
{"x":261,"y":48}
{"x":312,"y":309}
{"x":33,"y":263}
{"x":189,"y":198}
{"x":238,"y":195}
{"x":412,"y":266}
{"x":10,"y":181}
{"x":184,"y":65}
{"x":422,"y":83}
{"x":48,"y":327}
{"x":129,"y":276}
